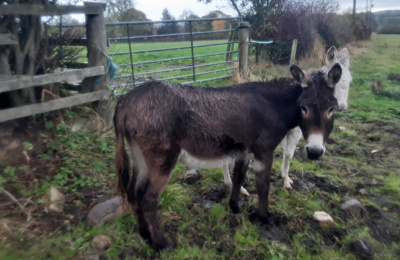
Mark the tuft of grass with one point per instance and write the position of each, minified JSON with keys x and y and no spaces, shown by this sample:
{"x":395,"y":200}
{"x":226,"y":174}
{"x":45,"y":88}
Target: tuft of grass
{"x":211,"y":176}
{"x":392,"y":185}
{"x":174,"y":198}
{"x":217,"y":214}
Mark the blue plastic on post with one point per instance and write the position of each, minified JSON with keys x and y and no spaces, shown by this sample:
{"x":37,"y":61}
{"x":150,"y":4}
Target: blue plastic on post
{"x":261,"y":42}
{"x":111,"y":68}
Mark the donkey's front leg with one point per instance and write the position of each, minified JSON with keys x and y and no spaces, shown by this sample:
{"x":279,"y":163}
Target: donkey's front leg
{"x":291,"y":140}
{"x":262,"y":167}
{"x":239,"y":174}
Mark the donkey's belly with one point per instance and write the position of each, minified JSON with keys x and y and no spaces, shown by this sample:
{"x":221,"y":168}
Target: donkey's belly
{"x":201,"y":163}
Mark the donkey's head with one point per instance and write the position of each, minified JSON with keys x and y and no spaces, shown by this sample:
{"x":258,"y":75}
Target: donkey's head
{"x":343,"y":86}
{"x":317,"y":104}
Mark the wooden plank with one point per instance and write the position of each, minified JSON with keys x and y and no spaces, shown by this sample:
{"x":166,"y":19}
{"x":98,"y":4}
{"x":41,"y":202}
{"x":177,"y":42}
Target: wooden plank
{"x":27,"y":9}
{"x":6,"y":77}
{"x":7,"y":39}
{"x":29,"y":110}
{"x":70,"y":75}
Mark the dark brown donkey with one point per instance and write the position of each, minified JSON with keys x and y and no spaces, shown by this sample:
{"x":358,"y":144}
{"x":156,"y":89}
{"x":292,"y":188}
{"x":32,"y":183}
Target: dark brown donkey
{"x":164,"y":122}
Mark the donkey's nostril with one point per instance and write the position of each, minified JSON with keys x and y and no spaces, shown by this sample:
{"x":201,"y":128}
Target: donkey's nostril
{"x":314,"y":153}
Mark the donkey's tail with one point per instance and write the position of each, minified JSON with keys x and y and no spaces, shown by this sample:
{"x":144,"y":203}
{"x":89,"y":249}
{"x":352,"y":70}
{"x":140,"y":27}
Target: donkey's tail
{"x":121,"y":156}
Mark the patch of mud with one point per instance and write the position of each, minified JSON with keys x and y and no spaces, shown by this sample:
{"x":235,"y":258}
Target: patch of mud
{"x":383,"y":223}
{"x":216,"y":192}
{"x":311,"y":181}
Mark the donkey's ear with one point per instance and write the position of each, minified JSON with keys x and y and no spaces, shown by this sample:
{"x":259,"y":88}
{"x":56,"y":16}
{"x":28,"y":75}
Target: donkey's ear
{"x":334,"y":75}
{"x":331,"y":56}
{"x":299,"y":75}
{"x":344,"y":57}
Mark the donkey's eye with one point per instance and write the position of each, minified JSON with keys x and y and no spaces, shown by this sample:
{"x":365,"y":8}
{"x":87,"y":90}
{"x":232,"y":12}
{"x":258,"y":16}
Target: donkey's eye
{"x":304,"y":110}
{"x":330,"y":111}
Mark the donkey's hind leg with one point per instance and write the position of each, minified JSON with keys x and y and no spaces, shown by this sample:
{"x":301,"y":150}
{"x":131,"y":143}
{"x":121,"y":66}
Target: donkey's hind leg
{"x":228,"y":180}
{"x":291,"y":140}
{"x":145,"y":209}
{"x":145,"y":191}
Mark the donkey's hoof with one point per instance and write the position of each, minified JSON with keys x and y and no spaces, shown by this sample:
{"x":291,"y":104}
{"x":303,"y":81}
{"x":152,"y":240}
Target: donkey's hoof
{"x":258,"y":220}
{"x":234,"y":207}
{"x":244,"y":191}
{"x":163,"y":245}
{"x":287,"y":183}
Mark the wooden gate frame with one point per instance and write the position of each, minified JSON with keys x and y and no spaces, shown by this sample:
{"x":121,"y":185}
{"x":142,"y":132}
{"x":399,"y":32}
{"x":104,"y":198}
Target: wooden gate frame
{"x":97,"y":61}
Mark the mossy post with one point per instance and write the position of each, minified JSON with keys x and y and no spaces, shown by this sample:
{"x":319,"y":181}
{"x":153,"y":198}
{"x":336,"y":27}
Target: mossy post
{"x":243,"y":28}
{"x":97,"y":56}
{"x":293,"y":53}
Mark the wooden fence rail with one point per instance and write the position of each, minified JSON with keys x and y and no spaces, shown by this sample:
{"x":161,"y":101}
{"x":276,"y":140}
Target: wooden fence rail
{"x":70,"y":75}
{"x":28,"y":9}
{"x":97,"y":50}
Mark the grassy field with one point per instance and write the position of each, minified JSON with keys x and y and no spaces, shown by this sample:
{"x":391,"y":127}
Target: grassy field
{"x":195,"y":216}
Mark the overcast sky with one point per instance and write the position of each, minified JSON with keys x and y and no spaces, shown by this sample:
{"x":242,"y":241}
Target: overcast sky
{"x":153,"y":8}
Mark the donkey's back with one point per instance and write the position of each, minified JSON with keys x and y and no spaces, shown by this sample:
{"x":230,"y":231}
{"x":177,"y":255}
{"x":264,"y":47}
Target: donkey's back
{"x":206,"y":122}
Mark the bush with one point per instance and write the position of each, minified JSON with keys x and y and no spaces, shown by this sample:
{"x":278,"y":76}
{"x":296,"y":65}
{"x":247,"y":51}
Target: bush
{"x":361,"y":30}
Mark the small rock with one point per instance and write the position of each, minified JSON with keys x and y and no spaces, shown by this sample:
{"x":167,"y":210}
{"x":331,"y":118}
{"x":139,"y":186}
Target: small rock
{"x":302,"y":186}
{"x":352,"y":206}
{"x":78,"y":125}
{"x":10,"y":145}
{"x":204,"y":203}
{"x":342,"y":128}
{"x":6,"y":129}
{"x":362,"y":191}
{"x":107,"y":211}
{"x":361,"y":250}
{"x":92,"y":257}
{"x":191,"y":176}
{"x":3,"y":155}
{"x":274,"y":234}
{"x":192,"y":172}
{"x":55,"y":199}
{"x":101,"y":242}
{"x":323,"y":218}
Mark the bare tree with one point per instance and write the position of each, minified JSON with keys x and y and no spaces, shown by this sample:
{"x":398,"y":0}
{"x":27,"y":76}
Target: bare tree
{"x":117,"y":7}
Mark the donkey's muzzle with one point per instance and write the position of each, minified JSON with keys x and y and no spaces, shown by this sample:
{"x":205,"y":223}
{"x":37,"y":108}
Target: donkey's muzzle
{"x":313,"y":153}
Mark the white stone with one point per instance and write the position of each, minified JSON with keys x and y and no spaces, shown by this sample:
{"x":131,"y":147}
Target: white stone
{"x":55,"y":199}
{"x":352,"y":206}
{"x":101,"y":242}
{"x":323,"y":218}
{"x":107,"y":211}
{"x":11,"y":144}
{"x":342,"y":128}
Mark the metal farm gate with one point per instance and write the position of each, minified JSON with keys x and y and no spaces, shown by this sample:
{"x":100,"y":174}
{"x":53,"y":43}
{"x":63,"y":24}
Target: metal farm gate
{"x":181,"y":51}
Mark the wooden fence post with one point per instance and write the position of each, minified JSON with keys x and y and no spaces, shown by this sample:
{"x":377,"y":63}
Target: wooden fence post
{"x":244,"y":28}
{"x":97,"y":56}
{"x":96,"y":48}
{"x":293,"y":54}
